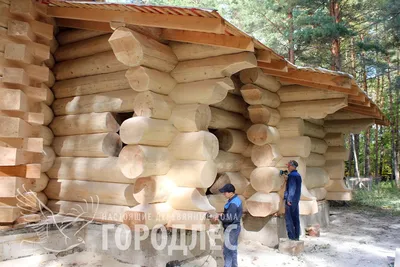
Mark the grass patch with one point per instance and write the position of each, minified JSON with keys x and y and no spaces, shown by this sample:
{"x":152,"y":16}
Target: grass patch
{"x":383,"y":197}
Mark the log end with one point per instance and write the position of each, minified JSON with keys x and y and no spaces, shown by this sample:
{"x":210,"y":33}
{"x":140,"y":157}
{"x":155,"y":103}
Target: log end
{"x":126,"y":47}
{"x":112,"y":145}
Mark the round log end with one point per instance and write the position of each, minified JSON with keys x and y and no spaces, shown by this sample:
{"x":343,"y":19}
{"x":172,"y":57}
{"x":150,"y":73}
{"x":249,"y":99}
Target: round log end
{"x":138,"y":79}
{"x":41,"y":183}
{"x":126,"y":47}
{"x":112,"y":144}
{"x":48,"y":158}
{"x":131,"y":161}
{"x":258,"y":134}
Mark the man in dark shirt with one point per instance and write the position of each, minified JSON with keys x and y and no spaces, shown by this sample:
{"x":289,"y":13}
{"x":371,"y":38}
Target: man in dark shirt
{"x":292,"y":199}
{"x":231,"y":222}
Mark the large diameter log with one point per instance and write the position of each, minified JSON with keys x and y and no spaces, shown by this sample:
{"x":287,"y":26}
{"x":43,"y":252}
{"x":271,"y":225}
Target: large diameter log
{"x":152,"y":105}
{"x":258,"y":77}
{"x":233,"y":141}
{"x":262,"y":204}
{"x":339,"y":196}
{"x":264,"y":115}
{"x":91,"y":85}
{"x":301,"y":169}
{"x":314,"y":130}
{"x":211,"y":68}
{"x":81,"y":191}
{"x":89,"y":123}
{"x":83,"y":48}
{"x":315,"y":160}
{"x":146,"y":131}
{"x":247,"y":168}
{"x":76,"y":35}
{"x":141,"y":161}
{"x":265,"y":156}
{"x":254,"y":95}
{"x":337,"y":153}
{"x":191,"y":117}
{"x":316,"y":177}
{"x":335,"y":139}
{"x":150,"y":215}
{"x":293,"y":93}
{"x":100,"y":63}
{"x":348,"y":126}
{"x":143,"y":79}
{"x":318,"y":146}
{"x":204,"y":92}
{"x":193,"y":173}
{"x":247,"y":152}
{"x":337,"y":186}
{"x":318,"y":193}
{"x":346,"y":115}
{"x":335,"y":169}
{"x":134,"y":49}
{"x":13,"y":99}
{"x":261,"y":134}
{"x":200,"y":145}
{"x":295,"y":146}
{"x":232,"y":103}
{"x":308,"y":207}
{"x":116,"y":101}
{"x":234,"y":178}
{"x":266,"y":179}
{"x":221,"y":119}
{"x":218,"y":202}
{"x":152,"y":189}
{"x":47,"y":159}
{"x":314,"y":109}
{"x":249,"y":191}
{"x":228,"y":162}
{"x":47,"y":112}
{"x":291,"y":127}
{"x":88,"y":145}
{"x":41,"y":183}
{"x":183,"y":198}
{"x":31,"y":202}
{"x":187,"y":51}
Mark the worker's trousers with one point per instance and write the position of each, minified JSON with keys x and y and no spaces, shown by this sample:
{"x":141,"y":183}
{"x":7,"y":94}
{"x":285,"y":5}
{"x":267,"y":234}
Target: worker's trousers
{"x":231,"y":236}
{"x":292,"y":218}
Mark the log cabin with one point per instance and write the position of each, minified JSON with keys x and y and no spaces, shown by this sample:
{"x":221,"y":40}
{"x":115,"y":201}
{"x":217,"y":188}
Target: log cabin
{"x":152,"y":109}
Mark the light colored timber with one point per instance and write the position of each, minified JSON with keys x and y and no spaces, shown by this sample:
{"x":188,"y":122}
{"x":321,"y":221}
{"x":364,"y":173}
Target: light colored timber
{"x":335,"y":139}
{"x":218,"y":202}
{"x":345,"y":115}
{"x":89,"y":123}
{"x":235,"y":178}
{"x":89,"y":85}
{"x":183,"y":198}
{"x":47,"y":112}
{"x":201,"y":145}
{"x":337,"y":153}
{"x":339,"y":196}
{"x":134,"y":49}
{"x":266,"y":155}
{"x":221,"y":119}
{"x":313,"y":130}
{"x":116,"y":101}
{"x":146,"y":131}
{"x":214,"y":67}
{"x":319,"y":122}
{"x":24,"y":171}
{"x":45,"y":133}
{"x":337,"y":186}
{"x":228,"y":162}
{"x":141,"y":161}
{"x":190,"y":50}
{"x":27,"y":144}
{"x":149,"y":215}
{"x":315,"y":160}
{"x":40,"y":184}
{"x":237,"y":83}
{"x":151,"y":32}
{"x":14,"y":127}
{"x":32,"y":118}
{"x":295,"y":146}
{"x":153,"y":105}
{"x":316,"y":177}
{"x":88,"y":145}
{"x":308,"y":207}
{"x":264,"y":115}
{"x":12,"y":186}
{"x":204,"y":92}
{"x":318,"y":145}
{"x":19,"y":53}
{"x":291,"y":127}
{"x":48,"y":157}
{"x":104,"y":193}
{"x":193,"y":173}
{"x":232,"y":103}
{"x":152,"y":189}
{"x":348,"y":126}
{"x":88,"y":169}
{"x":83,"y":48}
{"x":247,"y":152}
{"x":50,"y":62}
{"x":261,"y":134}
{"x":262,"y":204}
{"x":9,"y":214}
{"x":314,"y":109}
{"x":233,"y":141}
{"x":31,"y":202}
{"x":258,"y":77}
{"x":294,"y":93}
{"x":335,"y":169}
{"x":247,"y":168}
{"x":76,"y":35}
{"x":249,"y":191}
{"x":191,"y":117}
{"x":266,"y":179}
{"x":318,"y":193}
{"x":10,"y":156}
{"x":254,"y":95}
{"x":143,"y":79}
{"x":100,"y":63}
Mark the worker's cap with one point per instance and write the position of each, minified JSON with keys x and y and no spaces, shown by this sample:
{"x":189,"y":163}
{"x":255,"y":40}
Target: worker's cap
{"x":293,"y":163}
{"x":228,"y":188}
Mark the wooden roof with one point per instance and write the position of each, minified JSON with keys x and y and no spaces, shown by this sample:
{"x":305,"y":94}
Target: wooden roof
{"x":206,"y":26}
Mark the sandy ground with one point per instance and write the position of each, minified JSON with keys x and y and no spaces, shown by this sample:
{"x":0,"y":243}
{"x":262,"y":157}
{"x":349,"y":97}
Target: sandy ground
{"x":353,"y":239}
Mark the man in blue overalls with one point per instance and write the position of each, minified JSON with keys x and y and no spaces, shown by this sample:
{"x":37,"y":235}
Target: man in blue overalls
{"x":231,"y":222}
{"x":292,"y":199}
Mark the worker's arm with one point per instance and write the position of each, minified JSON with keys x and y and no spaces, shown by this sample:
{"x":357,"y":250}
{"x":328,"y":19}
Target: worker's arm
{"x":291,"y":189}
{"x":230,"y":214}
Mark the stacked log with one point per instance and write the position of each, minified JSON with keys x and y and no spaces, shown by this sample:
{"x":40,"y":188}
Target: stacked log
{"x":27,"y":44}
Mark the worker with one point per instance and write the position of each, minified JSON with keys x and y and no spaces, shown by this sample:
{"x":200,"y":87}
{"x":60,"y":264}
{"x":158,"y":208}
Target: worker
{"x":231,"y":223}
{"x":292,"y":199}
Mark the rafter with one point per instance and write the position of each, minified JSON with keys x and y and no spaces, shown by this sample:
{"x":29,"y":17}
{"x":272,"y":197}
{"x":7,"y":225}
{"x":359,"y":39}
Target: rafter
{"x":84,"y":24}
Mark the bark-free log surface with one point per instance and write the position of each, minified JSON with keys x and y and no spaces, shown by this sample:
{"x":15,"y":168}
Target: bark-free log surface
{"x":247,"y":168}
{"x":266,"y":179}
{"x":249,"y":191}
{"x":258,"y":77}
{"x":141,"y":161}
{"x":89,"y":123}
{"x":153,"y":105}
{"x":221,"y":119}
{"x":247,"y":152}
{"x":146,"y":131}
{"x":316,"y":177}
{"x":48,"y":158}
{"x":314,"y":109}
{"x":337,"y":153}
{"x":293,"y":93}
{"x":339,"y":196}
{"x":41,"y":183}
{"x":47,"y":112}
{"x":234,"y":178}
{"x":228,"y":162}
{"x":291,"y":127}
{"x":232,"y":103}
{"x":261,"y":134}
{"x":193,"y":173}
{"x":262,"y":204}
{"x":183,"y":198}
{"x":76,"y":35}
{"x":318,"y":145}
{"x":337,"y":186}
{"x":255,"y":95}
{"x":315,"y":160}
{"x":152,"y":189}
{"x":264,"y":115}
{"x":200,"y":145}
{"x":314,"y":130}
{"x":318,"y":193}
{"x":335,"y":169}
{"x":187,"y":51}
{"x":335,"y":139}
{"x":191,"y":117}
{"x":149,"y":215}
{"x":266,"y":155}
{"x":295,"y":146}
{"x":348,"y":126}
{"x":233,"y":141}
{"x":88,"y":145}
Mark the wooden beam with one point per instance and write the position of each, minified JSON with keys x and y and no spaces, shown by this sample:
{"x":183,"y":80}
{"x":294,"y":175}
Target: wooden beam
{"x":38,"y":73}
{"x":238,"y":42}
{"x":371,"y":111}
{"x":264,"y":56}
{"x":177,"y":22}
{"x":30,"y":117}
{"x":25,"y":171}
{"x":12,"y":156}
{"x":84,"y":24}
{"x":366,"y":103}
{"x":28,"y":144}
{"x":359,"y":97}
{"x":279,"y":66}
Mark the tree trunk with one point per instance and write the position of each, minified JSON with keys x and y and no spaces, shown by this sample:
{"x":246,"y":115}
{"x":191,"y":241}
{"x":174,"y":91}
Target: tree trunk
{"x":367,"y":167}
{"x":356,"y":142}
{"x":334,"y":10}
{"x":291,"y":33}
{"x":377,"y":131}
{"x":351,"y":156}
